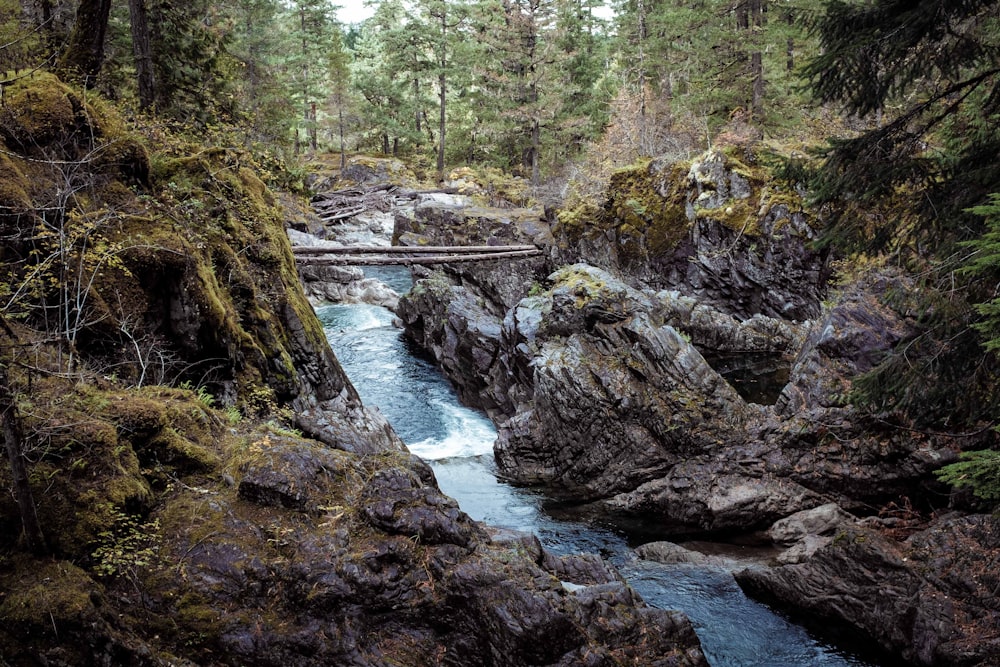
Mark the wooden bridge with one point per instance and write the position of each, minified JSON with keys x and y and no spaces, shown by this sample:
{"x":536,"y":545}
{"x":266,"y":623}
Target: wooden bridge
{"x":408,"y":256}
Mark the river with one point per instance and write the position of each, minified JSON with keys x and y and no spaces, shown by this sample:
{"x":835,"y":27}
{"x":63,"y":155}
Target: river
{"x":418,"y":401}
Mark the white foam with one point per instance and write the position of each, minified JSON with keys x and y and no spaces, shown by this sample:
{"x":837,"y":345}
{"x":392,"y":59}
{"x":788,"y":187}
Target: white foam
{"x":467,"y":433}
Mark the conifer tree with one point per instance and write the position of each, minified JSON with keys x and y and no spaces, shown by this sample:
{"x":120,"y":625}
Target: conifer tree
{"x":938,"y":63}
{"x":388,"y":68}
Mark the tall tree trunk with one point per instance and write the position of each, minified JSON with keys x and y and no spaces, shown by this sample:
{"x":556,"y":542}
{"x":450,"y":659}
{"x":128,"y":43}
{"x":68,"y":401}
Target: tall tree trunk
{"x":536,"y":147}
{"x":340,"y":124}
{"x":757,"y":98}
{"x":139,"y":23}
{"x":19,"y":472}
{"x":313,"y":128}
{"x":84,"y":53}
{"x":442,"y":92}
{"x":757,"y":60}
{"x":417,"y":113}
{"x":644,"y":149}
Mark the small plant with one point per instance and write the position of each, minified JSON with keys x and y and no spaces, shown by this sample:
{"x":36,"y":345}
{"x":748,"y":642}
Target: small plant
{"x":280,"y":429}
{"x":203,"y":395}
{"x":233,"y":415}
{"x":126,"y":546}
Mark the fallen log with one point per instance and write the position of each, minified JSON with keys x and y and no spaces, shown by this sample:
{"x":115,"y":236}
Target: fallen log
{"x":363,"y":260}
{"x":426,"y":249}
{"x":341,"y":215}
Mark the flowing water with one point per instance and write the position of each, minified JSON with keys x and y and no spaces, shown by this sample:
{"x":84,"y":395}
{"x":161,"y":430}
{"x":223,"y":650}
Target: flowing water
{"x":458,"y":442}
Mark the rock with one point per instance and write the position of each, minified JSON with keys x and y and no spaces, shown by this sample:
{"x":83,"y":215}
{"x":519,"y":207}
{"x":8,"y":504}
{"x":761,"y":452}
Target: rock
{"x":396,"y":502}
{"x":451,"y":323}
{"x":457,"y":222}
{"x":372,"y":565}
{"x":706,"y":496}
{"x":611,"y":393}
{"x":669,"y":553}
{"x":714,"y":229}
{"x":931,"y":598}
{"x":821,"y":520}
{"x":340,"y":284}
{"x":851,"y":337}
{"x":711,"y":329}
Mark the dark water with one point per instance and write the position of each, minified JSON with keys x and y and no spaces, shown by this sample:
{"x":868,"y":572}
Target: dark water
{"x":420,"y":404}
{"x":758,"y":378}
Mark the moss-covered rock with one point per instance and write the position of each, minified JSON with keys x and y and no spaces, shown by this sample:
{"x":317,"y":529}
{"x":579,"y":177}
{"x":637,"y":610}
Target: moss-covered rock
{"x":732,"y":234}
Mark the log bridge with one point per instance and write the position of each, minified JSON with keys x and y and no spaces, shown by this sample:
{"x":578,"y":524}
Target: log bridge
{"x":409,"y":256}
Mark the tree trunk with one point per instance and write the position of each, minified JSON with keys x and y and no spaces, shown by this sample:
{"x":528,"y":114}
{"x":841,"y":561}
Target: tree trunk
{"x":442,"y":91}
{"x":340,"y":123}
{"x":757,"y":60}
{"x":757,"y":99}
{"x":139,"y":23}
{"x":19,"y":472}
{"x":313,"y":128}
{"x":85,"y":52}
{"x":536,"y":147}
{"x":417,"y":113}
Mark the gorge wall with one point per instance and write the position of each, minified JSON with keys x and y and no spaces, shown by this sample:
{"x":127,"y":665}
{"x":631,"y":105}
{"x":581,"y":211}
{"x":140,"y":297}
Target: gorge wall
{"x":595,"y":373}
{"x":210,"y":488}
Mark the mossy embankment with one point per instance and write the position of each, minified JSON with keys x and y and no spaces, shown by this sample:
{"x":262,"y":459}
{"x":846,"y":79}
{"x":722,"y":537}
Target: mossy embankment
{"x":651,"y":207}
{"x":161,"y":354}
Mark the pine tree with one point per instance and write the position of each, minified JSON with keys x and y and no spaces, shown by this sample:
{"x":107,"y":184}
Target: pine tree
{"x":312,"y":24}
{"x":388,"y":69}
{"x":520,"y":72}
{"x":931,"y":71}
{"x":340,"y":88}
{"x":444,"y":20}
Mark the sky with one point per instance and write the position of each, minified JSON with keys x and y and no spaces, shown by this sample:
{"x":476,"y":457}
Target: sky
{"x":353,"y":11}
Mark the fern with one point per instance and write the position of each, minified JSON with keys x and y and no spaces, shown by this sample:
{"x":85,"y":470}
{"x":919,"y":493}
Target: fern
{"x":978,"y":470}
{"x":984,"y":264}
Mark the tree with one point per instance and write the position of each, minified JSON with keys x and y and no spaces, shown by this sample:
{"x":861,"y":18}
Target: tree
{"x":708,"y":60}
{"x":259,"y":50}
{"x":84,"y":53}
{"x":188,"y":42}
{"x":933,"y":68}
{"x":340,"y":81}
{"x":444,"y":19}
{"x":139,"y":23}
{"x":520,"y":70}
{"x":389,"y":65}
{"x":926,"y":77}
{"x":10,"y":424}
{"x":312,"y":25}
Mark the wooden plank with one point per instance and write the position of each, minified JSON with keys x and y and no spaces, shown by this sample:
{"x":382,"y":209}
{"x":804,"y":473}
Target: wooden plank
{"x":360,"y":260}
{"x":416,"y":250}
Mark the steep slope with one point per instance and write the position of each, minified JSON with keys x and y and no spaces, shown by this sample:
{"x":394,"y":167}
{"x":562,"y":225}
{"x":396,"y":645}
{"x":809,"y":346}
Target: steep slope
{"x":210,"y":488}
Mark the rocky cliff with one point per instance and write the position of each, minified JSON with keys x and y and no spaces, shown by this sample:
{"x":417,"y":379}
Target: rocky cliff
{"x":211,"y":489}
{"x":598,"y":380}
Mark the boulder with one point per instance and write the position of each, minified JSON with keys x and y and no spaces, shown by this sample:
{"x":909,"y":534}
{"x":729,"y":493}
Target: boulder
{"x":333,"y":558}
{"x":715,"y":228}
{"x":930,"y":598}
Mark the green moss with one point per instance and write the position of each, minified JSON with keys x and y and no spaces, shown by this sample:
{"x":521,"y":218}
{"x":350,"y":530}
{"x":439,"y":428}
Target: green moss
{"x":645,"y":209}
{"x":46,"y":595}
{"x":40,"y":110}
{"x":14,"y":187}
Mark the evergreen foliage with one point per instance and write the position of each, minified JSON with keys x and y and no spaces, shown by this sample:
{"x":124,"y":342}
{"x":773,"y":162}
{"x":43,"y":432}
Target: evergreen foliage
{"x":925,"y":76}
{"x":930,"y":72}
{"x":978,"y":470}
